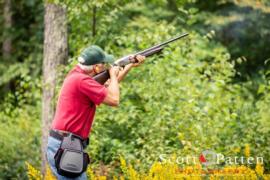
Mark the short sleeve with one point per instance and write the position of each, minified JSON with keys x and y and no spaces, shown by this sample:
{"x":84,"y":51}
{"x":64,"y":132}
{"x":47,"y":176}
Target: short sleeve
{"x":93,"y":90}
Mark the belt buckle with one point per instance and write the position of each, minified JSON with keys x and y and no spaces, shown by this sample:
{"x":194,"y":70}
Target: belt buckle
{"x":62,"y":133}
{"x":65,"y":134}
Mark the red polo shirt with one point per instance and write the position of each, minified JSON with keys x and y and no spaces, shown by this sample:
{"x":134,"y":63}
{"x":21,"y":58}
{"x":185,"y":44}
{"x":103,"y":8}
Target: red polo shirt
{"x":77,"y":102}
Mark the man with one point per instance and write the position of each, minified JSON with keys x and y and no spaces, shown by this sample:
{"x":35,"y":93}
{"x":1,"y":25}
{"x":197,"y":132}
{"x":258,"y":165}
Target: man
{"x":79,"y":96}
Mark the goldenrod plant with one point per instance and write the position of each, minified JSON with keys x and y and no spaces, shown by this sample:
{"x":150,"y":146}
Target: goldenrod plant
{"x":169,"y":171}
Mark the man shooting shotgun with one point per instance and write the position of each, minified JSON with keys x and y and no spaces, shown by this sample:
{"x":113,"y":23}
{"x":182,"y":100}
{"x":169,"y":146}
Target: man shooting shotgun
{"x":83,"y":89}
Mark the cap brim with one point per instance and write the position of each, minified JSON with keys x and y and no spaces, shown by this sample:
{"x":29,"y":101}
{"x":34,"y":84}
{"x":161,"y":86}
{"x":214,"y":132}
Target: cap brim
{"x":108,"y":58}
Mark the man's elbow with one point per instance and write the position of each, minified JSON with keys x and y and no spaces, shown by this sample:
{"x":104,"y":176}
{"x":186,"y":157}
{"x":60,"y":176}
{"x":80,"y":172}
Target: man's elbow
{"x":112,"y":101}
{"x":115,"y":103}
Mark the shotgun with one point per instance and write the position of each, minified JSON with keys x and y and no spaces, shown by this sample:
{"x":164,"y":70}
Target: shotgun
{"x":104,"y":76}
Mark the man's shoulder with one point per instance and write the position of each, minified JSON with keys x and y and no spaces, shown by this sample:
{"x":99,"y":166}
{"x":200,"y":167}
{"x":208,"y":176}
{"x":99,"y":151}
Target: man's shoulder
{"x":74,"y":78}
{"x":76,"y":73}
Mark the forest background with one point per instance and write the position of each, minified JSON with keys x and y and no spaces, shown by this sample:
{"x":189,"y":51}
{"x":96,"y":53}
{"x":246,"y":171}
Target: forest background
{"x":208,"y":91}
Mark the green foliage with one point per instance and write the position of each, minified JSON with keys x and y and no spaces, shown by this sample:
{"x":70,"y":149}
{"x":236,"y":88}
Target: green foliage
{"x":20,"y":124}
{"x":234,"y":24}
{"x":183,"y":101}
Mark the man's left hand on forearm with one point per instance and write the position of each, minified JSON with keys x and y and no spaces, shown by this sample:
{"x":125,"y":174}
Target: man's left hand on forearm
{"x":139,"y":60}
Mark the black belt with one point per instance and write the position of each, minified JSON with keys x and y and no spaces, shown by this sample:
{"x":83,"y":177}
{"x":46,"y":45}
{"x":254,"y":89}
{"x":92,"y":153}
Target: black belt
{"x":60,"y":135}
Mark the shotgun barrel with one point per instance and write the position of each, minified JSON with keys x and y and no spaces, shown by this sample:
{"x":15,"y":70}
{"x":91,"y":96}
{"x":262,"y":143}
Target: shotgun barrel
{"x":104,"y":76}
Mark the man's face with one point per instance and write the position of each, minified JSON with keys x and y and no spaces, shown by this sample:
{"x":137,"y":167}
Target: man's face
{"x":100,"y":68}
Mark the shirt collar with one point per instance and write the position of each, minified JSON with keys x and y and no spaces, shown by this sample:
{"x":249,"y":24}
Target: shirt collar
{"x":79,"y":69}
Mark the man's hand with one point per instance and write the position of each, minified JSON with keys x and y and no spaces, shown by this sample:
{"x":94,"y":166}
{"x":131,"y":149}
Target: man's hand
{"x":114,"y":71}
{"x":112,"y":98}
{"x":139,"y":60}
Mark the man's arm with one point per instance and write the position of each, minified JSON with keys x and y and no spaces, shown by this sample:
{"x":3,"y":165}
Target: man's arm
{"x":123,"y":73}
{"x":112,"y":98}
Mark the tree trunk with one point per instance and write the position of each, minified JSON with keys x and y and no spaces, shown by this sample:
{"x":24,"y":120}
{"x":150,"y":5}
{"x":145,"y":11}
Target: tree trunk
{"x":55,"y":53}
{"x":7,"y":27}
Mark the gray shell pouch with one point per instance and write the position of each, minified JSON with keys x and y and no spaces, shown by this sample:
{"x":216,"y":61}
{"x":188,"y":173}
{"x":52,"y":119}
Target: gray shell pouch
{"x":70,"y":159}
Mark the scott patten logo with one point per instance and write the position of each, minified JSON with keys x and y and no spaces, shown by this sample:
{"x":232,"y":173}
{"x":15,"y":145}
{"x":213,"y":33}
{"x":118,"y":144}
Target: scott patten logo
{"x":208,"y":157}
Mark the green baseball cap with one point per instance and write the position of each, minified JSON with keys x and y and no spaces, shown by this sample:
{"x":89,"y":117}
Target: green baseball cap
{"x":94,"y":55}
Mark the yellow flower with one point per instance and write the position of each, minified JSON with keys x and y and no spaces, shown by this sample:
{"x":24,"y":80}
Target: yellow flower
{"x":155,"y":169}
{"x":266,"y":176}
{"x":90,"y":173}
{"x":102,"y":178}
{"x":247,"y":150}
{"x":259,"y":169}
{"x":132,"y":173}
{"x":49,"y":175}
{"x":32,"y":172}
{"x":123,"y":165}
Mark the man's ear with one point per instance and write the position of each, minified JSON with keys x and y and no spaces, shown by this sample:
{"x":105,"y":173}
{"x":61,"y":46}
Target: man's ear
{"x":96,"y":68}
